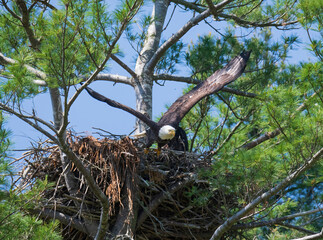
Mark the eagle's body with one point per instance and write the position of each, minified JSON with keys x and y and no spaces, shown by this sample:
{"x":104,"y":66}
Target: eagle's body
{"x":167,"y":130}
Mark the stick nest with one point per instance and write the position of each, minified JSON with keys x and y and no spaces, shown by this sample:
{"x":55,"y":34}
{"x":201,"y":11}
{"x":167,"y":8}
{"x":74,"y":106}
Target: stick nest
{"x":157,"y":190}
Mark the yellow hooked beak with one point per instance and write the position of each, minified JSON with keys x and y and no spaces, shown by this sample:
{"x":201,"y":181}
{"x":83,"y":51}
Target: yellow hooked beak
{"x":172,"y":132}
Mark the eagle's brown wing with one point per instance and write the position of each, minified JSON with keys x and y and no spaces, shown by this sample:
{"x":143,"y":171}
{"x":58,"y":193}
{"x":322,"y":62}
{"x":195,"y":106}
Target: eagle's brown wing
{"x":212,"y":84}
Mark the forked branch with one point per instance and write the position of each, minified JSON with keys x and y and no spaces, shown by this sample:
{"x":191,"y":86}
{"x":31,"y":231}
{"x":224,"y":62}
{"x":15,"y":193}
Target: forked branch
{"x":271,"y":192}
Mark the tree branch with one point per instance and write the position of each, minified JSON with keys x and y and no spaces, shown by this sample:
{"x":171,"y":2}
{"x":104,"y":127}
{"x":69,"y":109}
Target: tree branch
{"x":277,"y":131}
{"x":5,"y":61}
{"x":212,"y":8}
{"x":26,"y":118}
{"x":47,"y":4}
{"x":174,"y":38}
{"x":104,"y":201}
{"x":100,"y":77}
{"x":87,"y":227}
{"x":212,"y":153}
{"x":112,"y":78}
{"x":300,"y":229}
{"x":276,"y":220}
{"x":189,"y":5}
{"x":123,"y":65}
{"x":288,"y":180}
{"x":310,"y":237}
{"x":35,"y":43}
{"x":238,"y":20}
{"x":247,"y":24}
{"x":163,"y":196}
{"x":98,"y":70}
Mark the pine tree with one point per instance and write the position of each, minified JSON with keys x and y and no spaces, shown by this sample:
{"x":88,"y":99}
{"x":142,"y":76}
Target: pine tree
{"x":15,"y":222}
{"x":254,"y":165}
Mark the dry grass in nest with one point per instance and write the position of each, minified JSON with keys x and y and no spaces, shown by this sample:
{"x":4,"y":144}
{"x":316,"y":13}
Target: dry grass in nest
{"x":160,"y":186}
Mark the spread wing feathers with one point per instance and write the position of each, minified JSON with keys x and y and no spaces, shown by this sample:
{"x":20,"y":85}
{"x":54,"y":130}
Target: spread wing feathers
{"x":116,"y":104}
{"x":212,"y":84}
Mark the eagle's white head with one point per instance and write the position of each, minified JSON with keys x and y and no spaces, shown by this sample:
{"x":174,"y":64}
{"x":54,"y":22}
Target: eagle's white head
{"x":166,"y":132}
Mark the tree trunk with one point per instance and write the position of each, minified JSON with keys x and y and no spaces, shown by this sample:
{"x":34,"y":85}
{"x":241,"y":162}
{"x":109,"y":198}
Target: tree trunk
{"x":71,"y":182}
{"x":144,"y":82}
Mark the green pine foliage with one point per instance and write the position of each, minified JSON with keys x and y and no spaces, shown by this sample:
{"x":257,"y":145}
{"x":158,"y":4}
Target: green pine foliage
{"x":70,"y":43}
{"x":15,"y":221}
{"x":4,"y":168}
{"x":73,"y":40}
{"x":281,"y":89}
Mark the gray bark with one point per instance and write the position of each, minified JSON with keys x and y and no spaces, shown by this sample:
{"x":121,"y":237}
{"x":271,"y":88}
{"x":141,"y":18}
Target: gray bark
{"x":70,"y":180}
{"x":144,"y":82}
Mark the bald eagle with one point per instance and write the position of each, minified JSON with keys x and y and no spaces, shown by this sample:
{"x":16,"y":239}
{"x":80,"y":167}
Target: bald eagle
{"x":165,"y":130}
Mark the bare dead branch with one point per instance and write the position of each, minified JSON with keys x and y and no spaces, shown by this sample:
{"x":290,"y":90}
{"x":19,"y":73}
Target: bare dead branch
{"x":100,"y":77}
{"x":283,"y":184}
{"x":240,"y":21}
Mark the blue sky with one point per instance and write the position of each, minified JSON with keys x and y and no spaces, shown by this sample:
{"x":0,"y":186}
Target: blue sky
{"x":87,"y":113}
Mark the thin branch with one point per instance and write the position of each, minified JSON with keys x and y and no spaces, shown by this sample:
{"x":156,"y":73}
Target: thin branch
{"x":277,"y":131}
{"x":212,"y":153}
{"x":189,"y":5}
{"x":237,"y":19}
{"x":5,"y":61}
{"x":287,"y":181}
{"x":10,"y":11}
{"x":96,"y":72}
{"x":245,"y":23}
{"x":163,"y":196}
{"x":300,"y":229}
{"x":87,"y":227}
{"x":26,"y":119}
{"x":275,"y":221}
{"x":212,"y":8}
{"x":104,"y":201}
{"x":123,"y":65}
{"x":175,"y":37}
{"x":47,"y":4}
{"x":310,"y":237}
{"x":239,"y":93}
